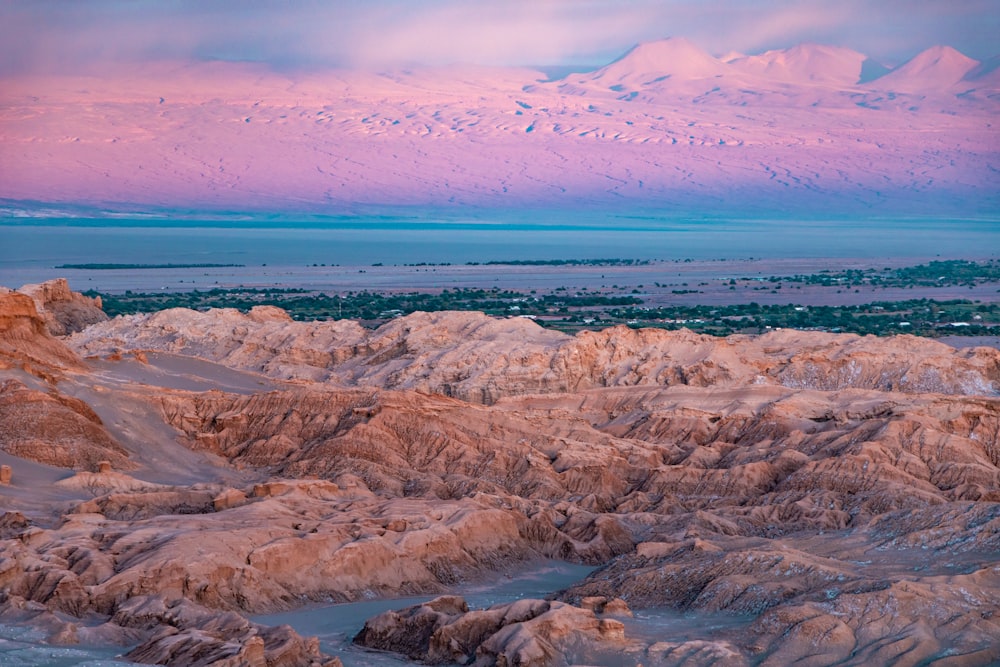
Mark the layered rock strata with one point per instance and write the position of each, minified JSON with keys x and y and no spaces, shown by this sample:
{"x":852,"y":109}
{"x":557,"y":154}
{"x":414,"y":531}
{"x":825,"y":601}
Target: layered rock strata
{"x":481,"y":359}
{"x":838,"y":496}
{"x":527,"y":632}
{"x":63,"y":310}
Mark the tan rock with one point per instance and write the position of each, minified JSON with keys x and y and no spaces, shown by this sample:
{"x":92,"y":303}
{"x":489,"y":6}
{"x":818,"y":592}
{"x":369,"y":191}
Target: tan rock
{"x":25,"y":341}
{"x":617,"y":607}
{"x":64,"y":310}
{"x":526,"y":632}
{"x":594,"y":603}
{"x":805,"y":482}
{"x":228,"y":499}
{"x":12,"y":524}
{"x":470,"y":355}
{"x":611,"y":629}
{"x":54,"y":429}
{"x":189,"y":635}
{"x":697,"y":653}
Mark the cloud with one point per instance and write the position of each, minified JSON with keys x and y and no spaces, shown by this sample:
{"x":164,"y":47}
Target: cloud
{"x":66,"y":34}
{"x":517,"y":32}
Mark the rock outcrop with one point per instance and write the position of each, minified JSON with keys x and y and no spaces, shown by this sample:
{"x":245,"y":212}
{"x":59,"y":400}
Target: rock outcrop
{"x":471,"y":356}
{"x":187,"y":634}
{"x":52,"y":428}
{"x":837,"y":496}
{"x":532,"y":633}
{"x":25,"y":342}
{"x":63,"y":310}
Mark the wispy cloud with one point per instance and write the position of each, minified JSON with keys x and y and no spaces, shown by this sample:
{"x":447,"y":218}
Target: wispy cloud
{"x":61,"y":34}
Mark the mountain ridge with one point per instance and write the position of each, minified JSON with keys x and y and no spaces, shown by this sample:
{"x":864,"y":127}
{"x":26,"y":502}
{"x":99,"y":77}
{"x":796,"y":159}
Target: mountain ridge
{"x":935,"y":68}
{"x":806,"y":63}
{"x":665,"y":125}
{"x":650,"y":62}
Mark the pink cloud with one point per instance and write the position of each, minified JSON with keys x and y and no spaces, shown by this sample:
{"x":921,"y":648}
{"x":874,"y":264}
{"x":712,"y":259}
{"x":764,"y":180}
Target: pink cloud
{"x":58,"y":34}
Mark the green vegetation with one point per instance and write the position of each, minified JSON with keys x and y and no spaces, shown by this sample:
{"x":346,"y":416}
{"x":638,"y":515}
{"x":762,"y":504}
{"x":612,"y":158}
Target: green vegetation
{"x":571,"y":311}
{"x":110,"y":267}
{"x":921,"y":317}
{"x":368,"y":306}
{"x":933,"y":274}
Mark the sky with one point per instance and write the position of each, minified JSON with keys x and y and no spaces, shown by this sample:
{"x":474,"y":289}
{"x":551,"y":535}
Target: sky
{"x":72,"y":35}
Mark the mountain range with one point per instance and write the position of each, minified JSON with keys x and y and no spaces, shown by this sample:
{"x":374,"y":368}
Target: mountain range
{"x":666,"y":126}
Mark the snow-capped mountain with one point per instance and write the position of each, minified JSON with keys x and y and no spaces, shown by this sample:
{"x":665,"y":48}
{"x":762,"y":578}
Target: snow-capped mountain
{"x":666,"y":126}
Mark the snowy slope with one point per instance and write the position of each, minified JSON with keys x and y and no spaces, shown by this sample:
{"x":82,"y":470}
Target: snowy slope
{"x":665,"y":126}
{"x":675,"y":58}
{"x":805,"y":64}
{"x":938,"y":68}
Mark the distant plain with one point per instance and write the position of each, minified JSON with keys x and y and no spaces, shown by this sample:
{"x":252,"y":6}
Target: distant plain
{"x":400,"y":254}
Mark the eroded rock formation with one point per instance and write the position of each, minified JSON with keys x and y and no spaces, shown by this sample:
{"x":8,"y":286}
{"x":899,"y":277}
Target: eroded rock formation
{"x":25,"y":341}
{"x":63,"y":310}
{"x":837,"y":497}
{"x":480,"y":359}
{"x":52,"y":428}
{"x":532,"y":633}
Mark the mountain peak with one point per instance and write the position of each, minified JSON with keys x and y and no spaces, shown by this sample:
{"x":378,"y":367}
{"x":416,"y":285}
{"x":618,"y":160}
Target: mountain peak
{"x":649,"y":62}
{"x":936,"y":68}
{"x":664,"y":48}
{"x":939,"y":58}
{"x":805,"y":63}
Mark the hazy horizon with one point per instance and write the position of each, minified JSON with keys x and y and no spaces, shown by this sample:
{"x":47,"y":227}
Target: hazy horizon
{"x":54,"y":36}
{"x":139,"y":108}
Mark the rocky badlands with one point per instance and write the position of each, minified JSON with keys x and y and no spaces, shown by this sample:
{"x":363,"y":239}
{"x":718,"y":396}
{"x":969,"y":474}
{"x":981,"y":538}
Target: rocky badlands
{"x":173,"y":474}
